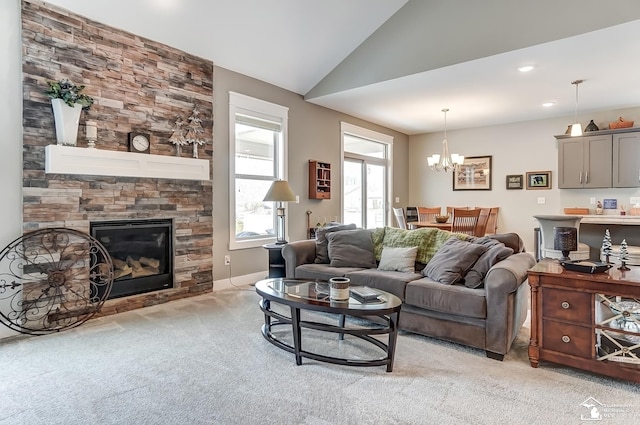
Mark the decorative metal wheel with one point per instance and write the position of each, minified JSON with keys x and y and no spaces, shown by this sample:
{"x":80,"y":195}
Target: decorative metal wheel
{"x":52,"y":280}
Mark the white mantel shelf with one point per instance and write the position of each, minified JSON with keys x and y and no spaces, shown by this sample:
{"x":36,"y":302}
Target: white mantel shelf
{"x":99,"y":162}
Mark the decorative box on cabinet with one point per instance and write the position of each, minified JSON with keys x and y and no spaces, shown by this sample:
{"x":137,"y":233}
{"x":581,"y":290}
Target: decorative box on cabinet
{"x":586,"y":321}
{"x":319,"y":180}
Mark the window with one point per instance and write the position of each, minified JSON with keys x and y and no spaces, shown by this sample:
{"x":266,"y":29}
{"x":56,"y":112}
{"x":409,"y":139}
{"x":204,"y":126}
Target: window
{"x":258,"y":147}
{"x":366,"y":176}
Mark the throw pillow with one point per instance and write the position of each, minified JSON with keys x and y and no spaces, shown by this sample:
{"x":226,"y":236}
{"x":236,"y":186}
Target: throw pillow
{"x":428,"y":241}
{"x":453,"y":260}
{"x":496,"y":253}
{"x":322,"y":254}
{"x":351,"y":248}
{"x":398,"y":259}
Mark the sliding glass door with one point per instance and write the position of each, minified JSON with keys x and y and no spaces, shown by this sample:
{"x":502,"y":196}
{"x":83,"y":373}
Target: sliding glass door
{"x":364,"y":194}
{"x":365,"y":181}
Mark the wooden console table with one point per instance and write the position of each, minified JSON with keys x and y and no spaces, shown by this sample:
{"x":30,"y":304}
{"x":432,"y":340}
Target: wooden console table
{"x":586,"y":321}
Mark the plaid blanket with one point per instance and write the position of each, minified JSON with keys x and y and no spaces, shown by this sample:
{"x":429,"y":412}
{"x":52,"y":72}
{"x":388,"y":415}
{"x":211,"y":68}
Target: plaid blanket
{"x":427,"y":240}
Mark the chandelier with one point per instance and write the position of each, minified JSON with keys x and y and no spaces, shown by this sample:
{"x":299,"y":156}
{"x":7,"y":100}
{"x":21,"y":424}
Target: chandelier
{"x":445,"y":162}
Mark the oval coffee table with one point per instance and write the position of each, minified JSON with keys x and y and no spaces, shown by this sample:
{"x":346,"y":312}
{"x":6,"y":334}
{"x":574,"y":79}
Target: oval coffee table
{"x":304,"y":294}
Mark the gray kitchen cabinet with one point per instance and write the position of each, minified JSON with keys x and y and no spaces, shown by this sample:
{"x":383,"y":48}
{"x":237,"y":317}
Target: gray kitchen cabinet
{"x":585,"y":162}
{"x":626,"y":160}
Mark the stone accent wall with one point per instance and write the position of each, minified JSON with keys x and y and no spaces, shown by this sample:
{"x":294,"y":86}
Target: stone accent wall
{"x":137,"y":84}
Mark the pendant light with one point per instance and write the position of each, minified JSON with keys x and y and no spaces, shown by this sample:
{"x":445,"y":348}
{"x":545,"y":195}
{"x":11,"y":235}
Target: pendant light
{"x":445,"y":162}
{"x":576,"y":128}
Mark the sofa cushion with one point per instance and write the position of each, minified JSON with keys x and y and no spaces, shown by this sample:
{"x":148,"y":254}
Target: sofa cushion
{"x":351,"y":248}
{"x":453,"y":260}
{"x":510,"y":240}
{"x":427,"y":240}
{"x":322,"y":271}
{"x":453,"y":299}
{"x":389,"y":281}
{"x":496,"y":253}
{"x":398,"y":259}
{"x":322,"y":244}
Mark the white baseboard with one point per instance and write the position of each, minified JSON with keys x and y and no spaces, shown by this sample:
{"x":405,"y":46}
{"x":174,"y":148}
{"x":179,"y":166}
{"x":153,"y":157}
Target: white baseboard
{"x":237,"y":281}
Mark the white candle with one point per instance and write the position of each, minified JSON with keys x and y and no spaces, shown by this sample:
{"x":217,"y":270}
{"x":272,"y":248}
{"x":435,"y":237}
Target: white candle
{"x":91,"y":128}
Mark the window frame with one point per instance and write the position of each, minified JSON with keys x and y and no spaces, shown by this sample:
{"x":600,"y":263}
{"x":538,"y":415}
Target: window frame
{"x":374,"y":136}
{"x":260,"y":109}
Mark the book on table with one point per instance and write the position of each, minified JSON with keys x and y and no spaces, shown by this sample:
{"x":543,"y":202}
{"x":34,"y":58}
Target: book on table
{"x":364,"y":293}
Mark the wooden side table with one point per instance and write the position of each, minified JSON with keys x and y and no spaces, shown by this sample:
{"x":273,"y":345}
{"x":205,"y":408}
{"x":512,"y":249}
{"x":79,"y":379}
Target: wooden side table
{"x":276,"y":260}
{"x":587,"y":321}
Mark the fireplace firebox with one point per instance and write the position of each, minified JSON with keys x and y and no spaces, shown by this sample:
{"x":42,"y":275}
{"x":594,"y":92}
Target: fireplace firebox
{"x":142,"y":254}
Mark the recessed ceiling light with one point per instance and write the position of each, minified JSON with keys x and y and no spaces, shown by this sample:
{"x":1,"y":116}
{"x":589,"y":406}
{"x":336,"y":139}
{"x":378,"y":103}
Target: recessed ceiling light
{"x":548,"y":104}
{"x":525,"y":68}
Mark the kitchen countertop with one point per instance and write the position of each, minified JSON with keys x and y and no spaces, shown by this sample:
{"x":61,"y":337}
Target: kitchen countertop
{"x":610,"y":219}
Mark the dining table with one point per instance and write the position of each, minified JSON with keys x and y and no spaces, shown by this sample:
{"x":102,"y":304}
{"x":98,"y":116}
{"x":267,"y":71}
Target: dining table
{"x":432,"y":224}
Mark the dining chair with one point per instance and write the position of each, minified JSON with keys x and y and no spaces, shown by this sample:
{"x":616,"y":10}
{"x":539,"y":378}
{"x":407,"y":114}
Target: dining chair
{"x":483,"y":219}
{"x":492,"y":223}
{"x":464,"y":221}
{"x":428,"y":213}
{"x":450,"y":210}
{"x":400,"y":218}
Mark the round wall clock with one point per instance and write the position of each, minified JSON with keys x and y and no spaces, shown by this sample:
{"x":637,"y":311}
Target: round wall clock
{"x":139,"y":142}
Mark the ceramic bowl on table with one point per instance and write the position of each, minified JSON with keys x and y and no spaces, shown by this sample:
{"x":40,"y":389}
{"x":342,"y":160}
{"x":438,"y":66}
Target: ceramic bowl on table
{"x":442,"y":218}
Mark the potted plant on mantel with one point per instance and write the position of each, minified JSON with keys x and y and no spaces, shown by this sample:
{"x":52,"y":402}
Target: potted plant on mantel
{"x":67,"y":101}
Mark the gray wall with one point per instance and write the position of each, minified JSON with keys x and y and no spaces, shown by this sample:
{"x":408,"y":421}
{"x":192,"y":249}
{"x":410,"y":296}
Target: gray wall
{"x":516,"y":149}
{"x":314,"y":133}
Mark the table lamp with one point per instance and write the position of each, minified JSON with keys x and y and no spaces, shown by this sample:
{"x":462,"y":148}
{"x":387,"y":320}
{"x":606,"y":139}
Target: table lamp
{"x":565,"y":239}
{"x":280,"y":192}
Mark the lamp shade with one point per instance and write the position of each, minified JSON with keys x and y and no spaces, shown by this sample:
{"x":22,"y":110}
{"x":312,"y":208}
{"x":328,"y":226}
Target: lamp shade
{"x":280,"y":191}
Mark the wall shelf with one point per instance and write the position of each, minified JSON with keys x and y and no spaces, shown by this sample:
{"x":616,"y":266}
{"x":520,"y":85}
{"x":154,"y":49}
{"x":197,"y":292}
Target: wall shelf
{"x":319,"y":180}
{"x":99,"y":162}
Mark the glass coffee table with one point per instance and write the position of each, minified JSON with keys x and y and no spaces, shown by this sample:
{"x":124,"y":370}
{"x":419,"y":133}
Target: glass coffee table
{"x":304,"y":294}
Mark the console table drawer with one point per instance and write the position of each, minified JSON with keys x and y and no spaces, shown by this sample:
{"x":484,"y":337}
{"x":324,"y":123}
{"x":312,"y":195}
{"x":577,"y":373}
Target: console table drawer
{"x":567,"y":305}
{"x":569,"y":339}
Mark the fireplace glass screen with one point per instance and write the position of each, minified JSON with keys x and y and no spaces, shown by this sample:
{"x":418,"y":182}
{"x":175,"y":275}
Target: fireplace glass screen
{"x":142,"y":254}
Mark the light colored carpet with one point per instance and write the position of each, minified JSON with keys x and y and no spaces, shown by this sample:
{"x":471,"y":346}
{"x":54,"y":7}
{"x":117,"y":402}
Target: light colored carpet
{"x":203,"y":361}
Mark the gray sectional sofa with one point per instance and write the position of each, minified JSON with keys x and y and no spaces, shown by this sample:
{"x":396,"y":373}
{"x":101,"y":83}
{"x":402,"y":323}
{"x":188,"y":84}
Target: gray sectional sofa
{"x":450,"y":288}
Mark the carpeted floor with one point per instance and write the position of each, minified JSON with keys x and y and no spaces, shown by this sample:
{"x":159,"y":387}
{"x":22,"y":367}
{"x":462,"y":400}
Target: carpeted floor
{"x":203,"y":361}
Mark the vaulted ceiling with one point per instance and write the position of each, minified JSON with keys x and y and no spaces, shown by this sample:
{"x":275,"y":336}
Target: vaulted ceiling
{"x":399,"y":62}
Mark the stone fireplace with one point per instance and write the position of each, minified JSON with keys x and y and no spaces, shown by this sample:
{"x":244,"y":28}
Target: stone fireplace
{"x":138,"y":85}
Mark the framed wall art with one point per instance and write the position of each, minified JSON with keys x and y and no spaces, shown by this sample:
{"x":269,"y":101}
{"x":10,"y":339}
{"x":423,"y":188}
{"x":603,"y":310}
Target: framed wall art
{"x":515,"y":181}
{"x":473,"y":174}
{"x":538,"y":180}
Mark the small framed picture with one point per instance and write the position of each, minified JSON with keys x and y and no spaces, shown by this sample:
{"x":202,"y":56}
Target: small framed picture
{"x":474,"y":174}
{"x":610,"y":204}
{"x":538,"y":180}
{"x":515,"y":181}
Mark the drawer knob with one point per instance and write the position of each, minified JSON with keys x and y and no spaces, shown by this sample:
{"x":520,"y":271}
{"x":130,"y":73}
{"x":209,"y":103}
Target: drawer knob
{"x":565,"y":338}
{"x":565,"y":305}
